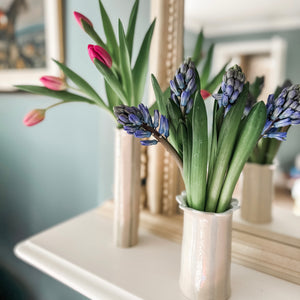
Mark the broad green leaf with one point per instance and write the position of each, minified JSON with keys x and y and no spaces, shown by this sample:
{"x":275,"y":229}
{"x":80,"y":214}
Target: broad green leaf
{"x":153,"y":107}
{"x":111,"y":79}
{"x":126,"y":73}
{"x":226,"y":143}
{"x":159,"y":96}
{"x":112,"y":98}
{"x":62,"y":95}
{"x":216,"y":81}
{"x":249,"y":136}
{"x":93,"y":34}
{"x":140,"y":69}
{"x":81,"y":83}
{"x":199,"y":154}
{"x":197,"y":54}
{"x":271,"y":151}
{"x":111,"y":40}
{"x":131,"y":27}
{"x":207,"y":66}
{"x":214,"y":143}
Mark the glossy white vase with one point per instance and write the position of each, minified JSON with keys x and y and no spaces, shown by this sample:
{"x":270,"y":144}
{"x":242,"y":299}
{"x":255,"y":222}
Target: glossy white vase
{"x":127,"y":184}
{"x":206,"y":253}
{"x":257,"y":193}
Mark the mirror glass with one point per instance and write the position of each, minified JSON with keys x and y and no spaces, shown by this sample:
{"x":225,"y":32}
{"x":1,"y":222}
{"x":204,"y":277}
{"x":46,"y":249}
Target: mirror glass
{"x":264,"y":40}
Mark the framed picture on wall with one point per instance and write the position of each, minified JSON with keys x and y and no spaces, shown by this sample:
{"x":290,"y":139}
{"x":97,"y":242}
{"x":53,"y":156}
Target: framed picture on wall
{"x":30,"y":36}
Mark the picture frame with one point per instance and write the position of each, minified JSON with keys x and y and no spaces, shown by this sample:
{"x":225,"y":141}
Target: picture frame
{"x":31,"y":35}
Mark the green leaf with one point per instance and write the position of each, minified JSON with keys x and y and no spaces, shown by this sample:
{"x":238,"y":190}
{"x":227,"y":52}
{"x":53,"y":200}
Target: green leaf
{"x":112,"y":98}
{"x":126,"y":73}
{"x":271,"y":151}
{"x":131,"y":27}
{"x":216,"y":81}
{"x":248,"y":138}
{"x":111,"y":40}
{"x":140,"y":69}
{"x":81,"y":83}
{"x":111,"y":79}
{"x":214,"y":143}
{"x":226,"y":143}
{"x":159,"y":96}
{"x":197,"y":54}
{"x":207,"y":66}
{"x":153,"y":107}
{"x":199,"y":154}
{"x":62,"y":95}
{"x":93,"y":34}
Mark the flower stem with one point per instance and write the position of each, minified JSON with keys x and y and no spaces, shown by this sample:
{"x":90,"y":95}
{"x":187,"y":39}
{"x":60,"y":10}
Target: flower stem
{"x":166,"y":145}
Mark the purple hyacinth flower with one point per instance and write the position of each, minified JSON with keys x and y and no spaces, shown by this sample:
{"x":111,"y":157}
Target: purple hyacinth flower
{"x":148,"y":142}
{"x":282,"y":123}
{"x":142,"y":134}
{"x":156,"y":118}
{"x":232,"y":85}
{"x":183,"y":85}
{"x":184,"y":98}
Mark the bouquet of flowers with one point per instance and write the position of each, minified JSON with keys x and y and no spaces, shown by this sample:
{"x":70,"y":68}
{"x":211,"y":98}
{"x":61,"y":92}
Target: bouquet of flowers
{"x":124,"y":80}
{"x":210,"y":168}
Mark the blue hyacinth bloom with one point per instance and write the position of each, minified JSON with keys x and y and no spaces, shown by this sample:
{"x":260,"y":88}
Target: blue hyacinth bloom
{"x":137,"y":121}
{"x":231,"y":87}
{"x":282,"y":111}
{"x":184,"y":85}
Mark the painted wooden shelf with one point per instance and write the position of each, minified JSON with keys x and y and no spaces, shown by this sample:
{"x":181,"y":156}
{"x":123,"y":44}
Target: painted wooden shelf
{"x":80,"y":254}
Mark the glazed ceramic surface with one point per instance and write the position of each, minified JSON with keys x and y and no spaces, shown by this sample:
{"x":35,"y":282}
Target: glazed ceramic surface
{"x":126,"y":189}
{"x":206,"y":253}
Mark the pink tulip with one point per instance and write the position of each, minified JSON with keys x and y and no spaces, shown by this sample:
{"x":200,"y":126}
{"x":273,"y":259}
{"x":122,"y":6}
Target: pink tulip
{"x":34,"y":117}
{"x":79,"y":17}
{"x":53,"y":83}
{"x":99,"y":53}
{"x":205,"y":94}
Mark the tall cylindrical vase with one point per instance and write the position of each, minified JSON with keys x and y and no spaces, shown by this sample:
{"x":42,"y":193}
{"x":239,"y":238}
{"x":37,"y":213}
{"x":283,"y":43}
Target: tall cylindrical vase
{"x":126,"y":189}
{"x":206,"y":253}
{"x":257,"y":193}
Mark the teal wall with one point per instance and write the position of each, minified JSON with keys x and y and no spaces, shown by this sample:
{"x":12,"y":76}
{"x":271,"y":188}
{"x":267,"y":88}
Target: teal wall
{"x":64,"y":165}
{"x":290,"y":148}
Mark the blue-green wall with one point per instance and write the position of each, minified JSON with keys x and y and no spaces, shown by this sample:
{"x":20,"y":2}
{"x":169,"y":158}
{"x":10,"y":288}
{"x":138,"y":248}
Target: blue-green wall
{"x":64,"y":165}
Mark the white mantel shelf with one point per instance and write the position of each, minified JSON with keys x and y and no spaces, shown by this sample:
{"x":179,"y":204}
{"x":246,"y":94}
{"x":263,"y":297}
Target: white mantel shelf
{"x":80,"y":254}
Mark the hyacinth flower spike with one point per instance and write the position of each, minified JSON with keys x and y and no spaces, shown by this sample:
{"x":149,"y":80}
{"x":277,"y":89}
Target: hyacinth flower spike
{"x":281,"y":112}
{"x":183,"y":86}
{"x":232,"y":86}
{"x":137,"y":121}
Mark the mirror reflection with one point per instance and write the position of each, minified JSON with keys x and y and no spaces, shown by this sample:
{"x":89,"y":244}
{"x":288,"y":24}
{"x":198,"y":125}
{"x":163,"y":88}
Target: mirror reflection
{"x":264,"y":42}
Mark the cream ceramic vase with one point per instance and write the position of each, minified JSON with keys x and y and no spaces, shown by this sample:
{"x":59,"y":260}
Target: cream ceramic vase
{"x":126,"y":189}
{"x":257,"y":193}
{"x":206,"y":253}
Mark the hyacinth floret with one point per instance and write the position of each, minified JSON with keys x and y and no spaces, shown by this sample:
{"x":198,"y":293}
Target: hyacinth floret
{"x":183,"y":86}
{"x":282,"y":111}
{"x":232,"y":85}
{"x":138,"y":122}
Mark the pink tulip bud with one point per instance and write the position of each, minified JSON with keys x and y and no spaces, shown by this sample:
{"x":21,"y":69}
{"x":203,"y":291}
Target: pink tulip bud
{"x":53,"y":83}
{"x":79,"y":17}
{"x":99,"y":53}
{"x":205,"y":94}
{"x":34,"y":117}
